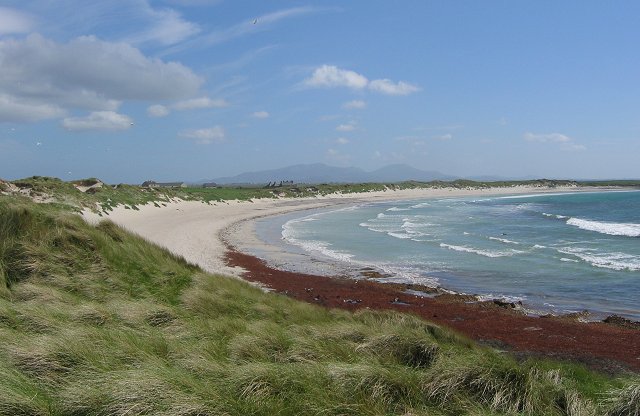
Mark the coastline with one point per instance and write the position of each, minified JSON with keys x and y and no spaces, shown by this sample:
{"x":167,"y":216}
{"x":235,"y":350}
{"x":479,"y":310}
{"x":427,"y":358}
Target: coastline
{"x":601,"y":346}
{"x":209,"y":235}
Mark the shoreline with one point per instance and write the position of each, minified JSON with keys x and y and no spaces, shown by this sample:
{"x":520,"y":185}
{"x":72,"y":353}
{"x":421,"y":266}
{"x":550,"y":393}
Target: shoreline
{"x":201,"y":233}
{"x":610,"y":348}
{"x":243,"y":236}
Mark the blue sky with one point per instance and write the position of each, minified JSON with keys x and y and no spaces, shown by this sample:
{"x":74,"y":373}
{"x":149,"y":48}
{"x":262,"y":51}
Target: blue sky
{"x":128,"y":90}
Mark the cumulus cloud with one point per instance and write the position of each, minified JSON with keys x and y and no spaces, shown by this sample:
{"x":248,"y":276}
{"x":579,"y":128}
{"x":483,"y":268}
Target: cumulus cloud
{"x":386,"y":86}
{"x":157,"y":110}
{"x":98,"y":120}
{"x":204,"y":136}
{"x":346,"y":127}
{"x":17,"y":110}
{"x":332,"y":76}
{"x":260,"y":114}
{"x":198,"y":103}
{"x":329,"y":76}
{"x":354,"y":105}
{"x":566,"y":143}
{"x":14,"y":21}
{"x":342,"y":140}
{"x":86,"y":73}
{"x":184,"y":105}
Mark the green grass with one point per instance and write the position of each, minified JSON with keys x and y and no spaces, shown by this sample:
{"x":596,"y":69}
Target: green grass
{"x":95,"y":321}
{"x":107,"y":197}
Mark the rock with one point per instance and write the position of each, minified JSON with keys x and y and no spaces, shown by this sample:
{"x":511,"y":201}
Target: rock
{"x":620,"y":321}
{"x":503,"y":304}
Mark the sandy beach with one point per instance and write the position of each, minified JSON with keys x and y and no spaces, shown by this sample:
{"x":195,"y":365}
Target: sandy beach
{"x":199,"y":232}
{"x":217,"y":236}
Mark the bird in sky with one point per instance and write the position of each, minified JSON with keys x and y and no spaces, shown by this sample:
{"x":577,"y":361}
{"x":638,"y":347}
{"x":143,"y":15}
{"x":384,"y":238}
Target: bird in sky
{"x":255,"y":21}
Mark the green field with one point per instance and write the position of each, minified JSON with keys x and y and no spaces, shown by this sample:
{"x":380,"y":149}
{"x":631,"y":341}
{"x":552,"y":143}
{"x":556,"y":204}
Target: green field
{"x":95,"y":321}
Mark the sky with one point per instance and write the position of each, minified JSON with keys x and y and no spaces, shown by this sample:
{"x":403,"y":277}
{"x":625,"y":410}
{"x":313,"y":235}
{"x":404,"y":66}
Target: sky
{"x":131,"y":90}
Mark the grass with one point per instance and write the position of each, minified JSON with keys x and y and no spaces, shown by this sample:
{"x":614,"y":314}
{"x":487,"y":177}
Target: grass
{"x":95,"y":321}
{"x":106,"y":197}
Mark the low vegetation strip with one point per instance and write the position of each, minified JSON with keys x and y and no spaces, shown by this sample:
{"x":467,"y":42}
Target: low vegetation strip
{"x":96,"y":195}
{"x":95,"y":321}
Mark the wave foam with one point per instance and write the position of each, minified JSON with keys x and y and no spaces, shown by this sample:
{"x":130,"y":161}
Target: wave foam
{"x":613,"y":261}
{"x":610,"y":228}
{"x":400,"y":236}
{"x":398,"y":209}
{"x":485,"y":253}
{"x":503,"y":240}
{"x":560,"y":217}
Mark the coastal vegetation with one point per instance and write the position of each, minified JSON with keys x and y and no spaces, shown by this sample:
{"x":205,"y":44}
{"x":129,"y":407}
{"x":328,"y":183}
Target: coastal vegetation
{"x":96,"y":195}
{"x":96,"y":321}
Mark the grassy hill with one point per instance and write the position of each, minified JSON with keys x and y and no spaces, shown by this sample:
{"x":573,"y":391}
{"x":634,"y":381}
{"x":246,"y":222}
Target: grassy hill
{"x":95,"y":321}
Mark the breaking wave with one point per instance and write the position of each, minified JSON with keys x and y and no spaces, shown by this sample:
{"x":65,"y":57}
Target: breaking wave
{"x":610,"y":228}
{"x":485,"y":253}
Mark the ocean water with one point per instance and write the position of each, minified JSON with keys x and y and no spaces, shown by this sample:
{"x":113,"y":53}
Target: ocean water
{"x":555,"y":252}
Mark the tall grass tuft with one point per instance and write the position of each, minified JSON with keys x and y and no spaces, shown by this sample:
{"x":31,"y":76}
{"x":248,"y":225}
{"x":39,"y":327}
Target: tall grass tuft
{"x":624,"y":401}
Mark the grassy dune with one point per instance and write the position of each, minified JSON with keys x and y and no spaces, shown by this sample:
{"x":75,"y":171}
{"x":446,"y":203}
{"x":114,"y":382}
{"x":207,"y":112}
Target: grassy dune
{"x":95,"y":321}
{"x":105,"y":197}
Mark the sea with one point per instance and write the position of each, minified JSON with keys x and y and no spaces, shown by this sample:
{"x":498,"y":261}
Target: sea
{"x":555,"y":252}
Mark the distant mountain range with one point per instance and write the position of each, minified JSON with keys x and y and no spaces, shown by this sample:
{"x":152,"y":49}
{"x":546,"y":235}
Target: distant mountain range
{"x":321,"y":173}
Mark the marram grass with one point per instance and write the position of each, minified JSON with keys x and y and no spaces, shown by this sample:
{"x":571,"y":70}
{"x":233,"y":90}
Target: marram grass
{"x":95,"y":321}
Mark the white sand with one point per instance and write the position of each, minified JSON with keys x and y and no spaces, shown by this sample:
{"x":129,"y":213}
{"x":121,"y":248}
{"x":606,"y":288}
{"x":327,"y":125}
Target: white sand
{"x":195,"y":230}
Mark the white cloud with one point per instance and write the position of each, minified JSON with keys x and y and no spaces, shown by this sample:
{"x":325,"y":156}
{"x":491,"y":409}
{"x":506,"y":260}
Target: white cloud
{"x":241,"y":29}
{"x":574,"y":147}
{"x":332,"y":76}
{"x":204,"y":136}
{"x":346,"y":127}
{"x":386,"y":86}
{"x":87,"y":73}
{"x":198,"y":103}
{"x":444,"y":137}
{"x":157,"y":110}
{"x":354,"y":105}
{"x":260,"y":114}
{"x":98,"y":120}
{"x":547,"y":138}
{"x":566,"y":143}
{"x":17,"y":110}
{"x":14,"y":21}
{"x":342,"y":140}
{"x":167,"y":27}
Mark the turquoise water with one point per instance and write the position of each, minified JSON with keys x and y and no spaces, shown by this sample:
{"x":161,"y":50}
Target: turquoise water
{"x":555,"y":252}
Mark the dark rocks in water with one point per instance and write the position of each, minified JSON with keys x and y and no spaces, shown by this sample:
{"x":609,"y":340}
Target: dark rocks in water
{"x":507,"y":305}
{"x":397,"y":301}
{"x":373,"y":273}
{"x":620,"y":321}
